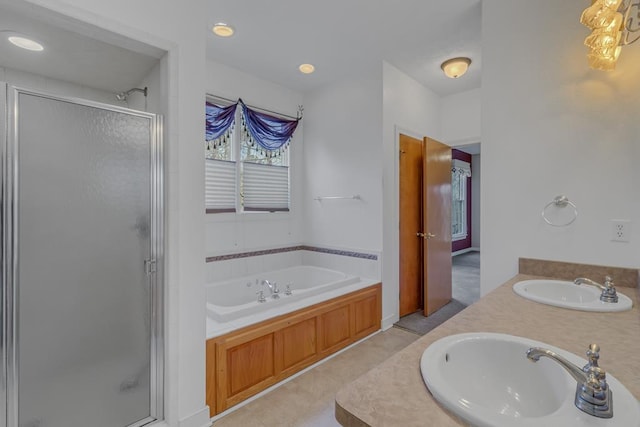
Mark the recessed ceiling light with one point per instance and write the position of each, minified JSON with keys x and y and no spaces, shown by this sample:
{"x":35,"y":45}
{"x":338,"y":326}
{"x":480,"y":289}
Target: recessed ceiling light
{"x":306,"y":68}
{"x":25,"y":43}
{"x":455,"y":67}
{"x":223,"y":30}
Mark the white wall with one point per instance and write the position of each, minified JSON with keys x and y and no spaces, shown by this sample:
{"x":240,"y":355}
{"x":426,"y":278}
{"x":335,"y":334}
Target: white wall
{"x":180,"y":30}
{"x":231,"y":232}
{"x":476,"y":173}
{"x":461,"y":118}
{"x":410,"y":108}
{"x":550,"y":126}
{"x":56,"y":87}
{"x":343,"y":157}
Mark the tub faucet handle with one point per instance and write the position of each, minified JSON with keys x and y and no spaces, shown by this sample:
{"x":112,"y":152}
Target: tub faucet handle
{"x":261,"y":297}
{"x":287,"y":291}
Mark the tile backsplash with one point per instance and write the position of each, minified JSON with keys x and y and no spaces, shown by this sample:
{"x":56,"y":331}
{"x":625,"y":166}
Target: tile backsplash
{"x":623,"y":277}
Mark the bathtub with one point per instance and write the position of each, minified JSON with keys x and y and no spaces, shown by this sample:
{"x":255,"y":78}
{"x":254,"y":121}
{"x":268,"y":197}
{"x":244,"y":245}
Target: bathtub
{"x":238,"y":298}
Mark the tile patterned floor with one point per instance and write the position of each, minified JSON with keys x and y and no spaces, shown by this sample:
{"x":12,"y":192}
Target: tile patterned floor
{"x":308,"y":400}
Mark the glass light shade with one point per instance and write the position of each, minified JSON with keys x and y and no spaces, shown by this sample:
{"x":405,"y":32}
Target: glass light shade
{"x":455,"y":67}
{"x":600,"y":13}
{"x":222,"y":30}
{"x":601,"y":39}
{"x":604,"y":59}
{"x":25,"y":43}
{"x":306,"y":68}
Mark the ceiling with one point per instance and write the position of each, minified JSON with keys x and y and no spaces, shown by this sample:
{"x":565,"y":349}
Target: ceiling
{"x":74,"y":52}
{"x":345,"y":38}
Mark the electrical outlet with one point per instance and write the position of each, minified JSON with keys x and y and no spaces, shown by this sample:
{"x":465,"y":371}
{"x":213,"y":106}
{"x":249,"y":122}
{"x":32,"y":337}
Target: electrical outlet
{"x":620,"y":230}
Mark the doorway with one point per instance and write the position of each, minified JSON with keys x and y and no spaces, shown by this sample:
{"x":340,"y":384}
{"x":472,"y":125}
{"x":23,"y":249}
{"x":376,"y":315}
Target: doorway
{"x":425,"y":225}
{"x":465,"y":178}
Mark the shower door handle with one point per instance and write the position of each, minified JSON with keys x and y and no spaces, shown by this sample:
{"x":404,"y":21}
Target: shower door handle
{"x":149,"y":266}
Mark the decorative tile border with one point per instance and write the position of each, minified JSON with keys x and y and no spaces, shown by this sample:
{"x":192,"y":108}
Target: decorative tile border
{"x":352,"y":254}
{"x":623,"y":277}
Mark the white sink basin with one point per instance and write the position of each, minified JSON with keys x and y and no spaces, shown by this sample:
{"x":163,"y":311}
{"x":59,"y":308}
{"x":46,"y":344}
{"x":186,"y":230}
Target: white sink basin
{"x":487,"y":380}
{"x":565,"y":294}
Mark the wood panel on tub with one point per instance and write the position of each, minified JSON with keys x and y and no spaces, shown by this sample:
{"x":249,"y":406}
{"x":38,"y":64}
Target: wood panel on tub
{"x":242,"y":363}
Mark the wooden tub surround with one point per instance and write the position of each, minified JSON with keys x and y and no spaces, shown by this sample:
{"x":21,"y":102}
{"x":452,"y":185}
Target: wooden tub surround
{"x":244,"y":362}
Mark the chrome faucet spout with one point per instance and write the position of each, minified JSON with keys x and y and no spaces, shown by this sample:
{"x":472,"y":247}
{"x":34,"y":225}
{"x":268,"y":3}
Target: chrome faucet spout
{"x":584,"y":280}
{"x":534,"y":354}
{"x":273,"y":287}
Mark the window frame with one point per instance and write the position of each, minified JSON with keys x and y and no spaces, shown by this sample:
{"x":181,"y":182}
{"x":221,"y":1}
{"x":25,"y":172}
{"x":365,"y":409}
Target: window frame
{"x":463,"y":181}
{"x":236,"y":143}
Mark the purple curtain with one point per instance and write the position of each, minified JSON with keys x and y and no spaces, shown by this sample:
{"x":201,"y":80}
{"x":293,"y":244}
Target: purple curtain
{"x":218,"y":120}
{"x":269,"y":132}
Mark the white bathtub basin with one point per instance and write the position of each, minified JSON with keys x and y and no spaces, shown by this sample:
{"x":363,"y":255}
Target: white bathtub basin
{"x":487,"y":380}
{"x":566,"y":294}
{"x":236,"y":298}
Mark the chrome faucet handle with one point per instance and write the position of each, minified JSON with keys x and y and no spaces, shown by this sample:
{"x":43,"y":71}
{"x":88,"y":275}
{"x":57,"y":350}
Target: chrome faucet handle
{"x":593,"y":354}
{"x":261,"y":297}
{"x":609,"y":293}
{"x":288,"y":291}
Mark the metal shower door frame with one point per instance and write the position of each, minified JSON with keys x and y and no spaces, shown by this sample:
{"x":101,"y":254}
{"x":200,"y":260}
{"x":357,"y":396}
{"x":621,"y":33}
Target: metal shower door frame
{"x":9,"y":351}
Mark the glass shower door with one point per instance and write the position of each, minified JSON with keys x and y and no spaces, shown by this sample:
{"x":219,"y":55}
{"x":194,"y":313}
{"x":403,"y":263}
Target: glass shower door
{"x":86,"y":299}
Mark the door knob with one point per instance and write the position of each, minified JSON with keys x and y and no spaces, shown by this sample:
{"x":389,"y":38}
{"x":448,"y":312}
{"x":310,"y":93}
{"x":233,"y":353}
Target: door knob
{"x":424,"y":236}
{"x":430,"y":236}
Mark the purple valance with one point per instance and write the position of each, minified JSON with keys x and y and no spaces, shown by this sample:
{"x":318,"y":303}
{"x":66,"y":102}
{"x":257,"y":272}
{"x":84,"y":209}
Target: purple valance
{"x":269,"y":132}
{"x":218,"y":120}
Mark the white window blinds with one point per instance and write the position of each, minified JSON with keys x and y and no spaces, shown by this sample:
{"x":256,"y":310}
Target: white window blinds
{"x":265,"y":187}
{"x":220,"y":186}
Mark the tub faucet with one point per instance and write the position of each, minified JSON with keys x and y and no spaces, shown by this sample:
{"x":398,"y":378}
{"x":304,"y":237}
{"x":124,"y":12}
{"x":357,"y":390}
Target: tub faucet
{"x":593,"y":395}
{"x":273,"y":287}
{"x":608,"y":294}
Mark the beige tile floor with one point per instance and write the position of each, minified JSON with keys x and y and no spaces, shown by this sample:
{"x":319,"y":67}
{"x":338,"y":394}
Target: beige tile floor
{"x":308,"y":400}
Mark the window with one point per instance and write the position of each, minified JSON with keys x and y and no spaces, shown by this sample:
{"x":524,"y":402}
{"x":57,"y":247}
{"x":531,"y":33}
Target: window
{"x":241,"y":175}
{"x":459,"y":174}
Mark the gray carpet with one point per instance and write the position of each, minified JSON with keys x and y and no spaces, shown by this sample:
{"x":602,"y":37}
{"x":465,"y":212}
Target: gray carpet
{"x":465,"y":277}
{"x":465,"y":291}
{"x":419,"y":324}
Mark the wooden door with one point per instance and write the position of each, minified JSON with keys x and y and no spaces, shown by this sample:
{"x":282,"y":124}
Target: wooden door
{"x":437,"y":225}
{"x":411,"y":158}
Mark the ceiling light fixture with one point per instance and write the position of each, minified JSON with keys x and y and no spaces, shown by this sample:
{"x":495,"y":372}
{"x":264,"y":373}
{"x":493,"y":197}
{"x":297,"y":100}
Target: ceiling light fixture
{"x":455,"y":67}
{"x":306,"y":68}
{"x":614,"y":23}
{"x":223,"y":30}
{"x":25,"y":42}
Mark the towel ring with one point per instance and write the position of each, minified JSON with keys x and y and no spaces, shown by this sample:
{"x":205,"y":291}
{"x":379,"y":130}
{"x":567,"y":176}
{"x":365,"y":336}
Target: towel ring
{"x":561,"y":202}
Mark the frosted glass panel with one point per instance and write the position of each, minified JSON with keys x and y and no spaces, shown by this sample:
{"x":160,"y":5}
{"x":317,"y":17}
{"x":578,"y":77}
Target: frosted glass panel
{"x":83,"y":296}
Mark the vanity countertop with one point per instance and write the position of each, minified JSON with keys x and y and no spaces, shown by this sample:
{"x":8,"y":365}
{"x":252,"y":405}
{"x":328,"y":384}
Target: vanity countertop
{"x":394,"y":393}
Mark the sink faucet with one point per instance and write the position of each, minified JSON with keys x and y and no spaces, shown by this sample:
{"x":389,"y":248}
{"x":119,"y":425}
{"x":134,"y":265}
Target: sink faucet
{"x":593,"y":395}
{"x":273,"y":287}
{"x":608,"y":294}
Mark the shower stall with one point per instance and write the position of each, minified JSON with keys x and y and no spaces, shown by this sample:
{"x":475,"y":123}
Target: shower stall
{"x":82,"y":254}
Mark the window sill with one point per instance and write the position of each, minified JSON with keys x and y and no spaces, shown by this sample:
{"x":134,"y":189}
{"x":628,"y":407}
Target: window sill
{"x":459,"y":237}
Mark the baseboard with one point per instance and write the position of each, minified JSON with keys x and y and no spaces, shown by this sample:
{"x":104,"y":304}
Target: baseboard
{"x":464,"y":251}
{"x":388,"y":321}
{"x":198,"y":419}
